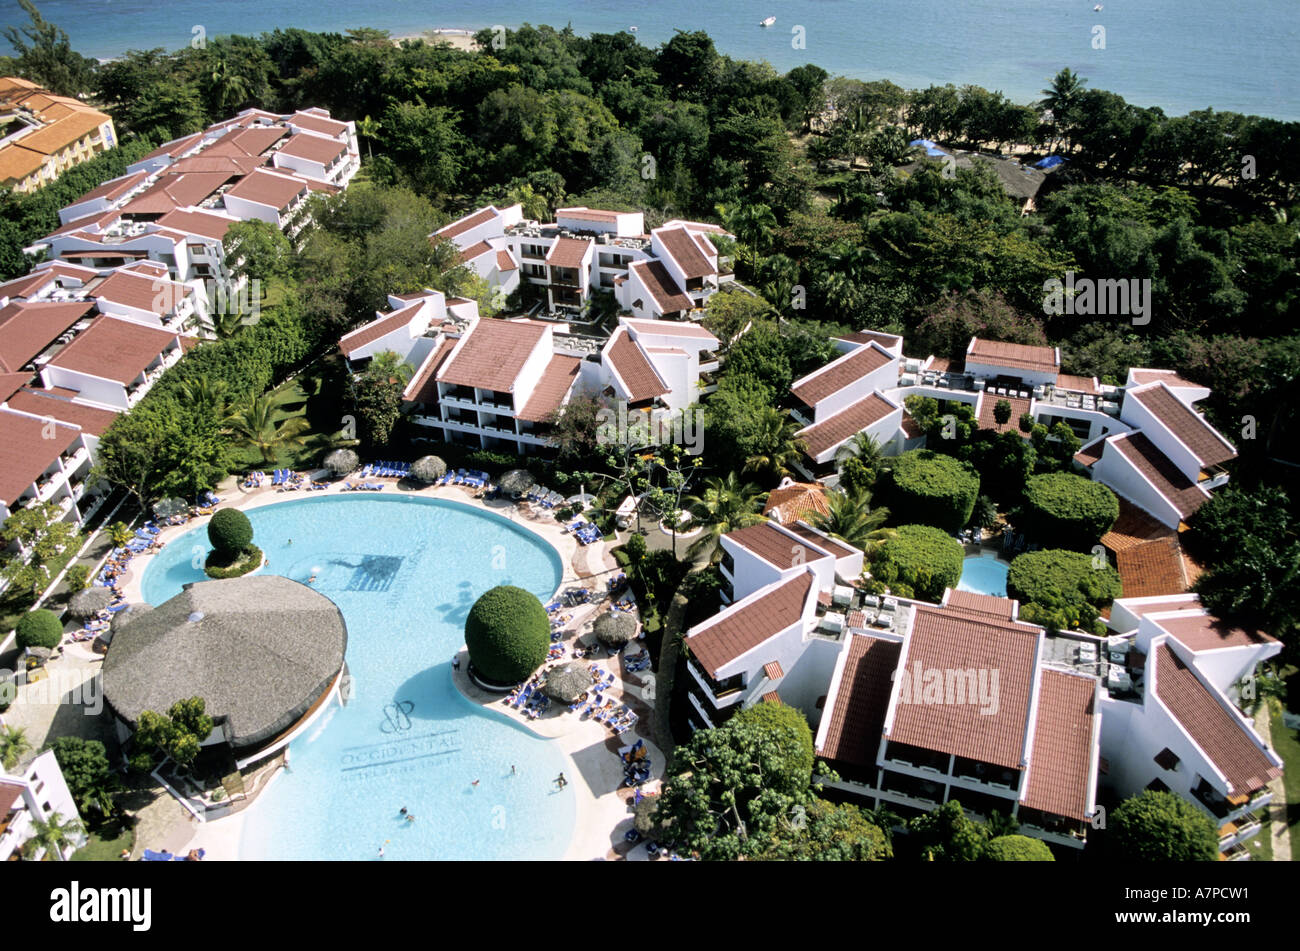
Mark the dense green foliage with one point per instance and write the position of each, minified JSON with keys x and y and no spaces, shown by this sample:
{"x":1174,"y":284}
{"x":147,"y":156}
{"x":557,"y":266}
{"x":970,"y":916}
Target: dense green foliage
{"x":1067,"y":510}
{"x":919,"y":561}
{"x":39,"y":628}
{"x":219,"y":566}
{"x":1017,"y":848}
{"x":930,"y":488}
{"x":1162,"y":827}
{"x":229,"y":531}
{"x":90,"y":778}
{"x":1062,"y":590}
{"x":831,"y":833}
{"x":177,"y":734}
{"x":507,"y":634}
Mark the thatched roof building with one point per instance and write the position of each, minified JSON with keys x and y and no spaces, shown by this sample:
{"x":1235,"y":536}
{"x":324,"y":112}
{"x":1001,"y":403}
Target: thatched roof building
{"x":260,"y":650}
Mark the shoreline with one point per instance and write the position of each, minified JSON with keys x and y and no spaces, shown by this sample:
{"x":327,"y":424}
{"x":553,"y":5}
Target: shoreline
{"x":602,"y":814}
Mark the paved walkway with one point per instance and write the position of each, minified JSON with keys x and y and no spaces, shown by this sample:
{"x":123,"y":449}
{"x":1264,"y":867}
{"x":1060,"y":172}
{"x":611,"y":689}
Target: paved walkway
{"x":1278,"y":830}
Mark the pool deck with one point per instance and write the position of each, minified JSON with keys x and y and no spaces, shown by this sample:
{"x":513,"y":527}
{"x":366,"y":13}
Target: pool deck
{"x":596,"y":773}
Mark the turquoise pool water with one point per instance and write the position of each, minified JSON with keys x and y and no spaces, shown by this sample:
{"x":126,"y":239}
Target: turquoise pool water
{"x":984,"y":574}
{"x":404,"y":572}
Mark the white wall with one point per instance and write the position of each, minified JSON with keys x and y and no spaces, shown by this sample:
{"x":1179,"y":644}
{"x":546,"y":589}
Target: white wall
{"x":1115,"y":471}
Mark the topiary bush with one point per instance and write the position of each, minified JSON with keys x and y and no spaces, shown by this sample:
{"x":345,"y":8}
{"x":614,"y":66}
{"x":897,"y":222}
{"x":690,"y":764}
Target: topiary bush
{"x":1062,"y":590}
{"x":218,"y":566}
{"x":39,"y":628}
{"x":1071,"y":511}
{"x":1017,"y":848}
{"x":508,"y":635}
{"x":230,"y":532}
{"x":1162,"y":827}
{"x":930,"y":488}
{"x":919,"y":561}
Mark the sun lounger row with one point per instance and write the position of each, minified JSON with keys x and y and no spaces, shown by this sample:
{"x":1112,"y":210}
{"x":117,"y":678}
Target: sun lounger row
{"x":474,"y":478}
{"x":546,"y":498}
{"x":362,"y":486}
{"x":386,"y":470}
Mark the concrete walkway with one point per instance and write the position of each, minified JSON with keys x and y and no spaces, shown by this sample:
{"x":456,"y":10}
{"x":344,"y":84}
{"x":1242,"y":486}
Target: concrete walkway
{"x":1277,"y":825}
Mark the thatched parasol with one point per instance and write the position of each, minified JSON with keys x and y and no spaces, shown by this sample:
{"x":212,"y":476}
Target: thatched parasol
{"x":86,"y":604}
{"x":614,"y":628}
{"x":516,"y":482}
{"x":169,"y":507}
{"x":568,"y":682}
{"x":342,"y":461}
{"x":428,"y":469}
{"x":128,"y":613}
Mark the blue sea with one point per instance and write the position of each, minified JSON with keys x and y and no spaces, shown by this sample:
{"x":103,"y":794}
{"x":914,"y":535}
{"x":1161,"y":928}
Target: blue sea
{"x":1181,"y":55}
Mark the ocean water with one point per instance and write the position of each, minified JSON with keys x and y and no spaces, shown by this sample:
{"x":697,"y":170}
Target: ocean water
{"x":1177,"y":54}
{"x":404,"y":572}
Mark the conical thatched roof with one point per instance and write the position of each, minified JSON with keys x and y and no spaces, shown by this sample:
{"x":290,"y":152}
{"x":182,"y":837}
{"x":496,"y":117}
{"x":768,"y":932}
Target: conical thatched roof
{"x":614,"y":627}
{"x":86,"y":604}
{"x":428,"y":469}
{"x":568,"y":682}
{"x":342,"y":461}
{"x":516,"y":482}
{"x":260,"y":650}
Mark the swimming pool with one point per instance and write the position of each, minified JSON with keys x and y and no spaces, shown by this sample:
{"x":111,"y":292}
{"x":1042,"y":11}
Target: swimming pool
{"x":984,"y":574}
{"x":404,"y":572}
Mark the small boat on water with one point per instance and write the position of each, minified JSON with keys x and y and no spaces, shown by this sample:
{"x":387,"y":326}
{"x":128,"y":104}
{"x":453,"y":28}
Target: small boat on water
{"x":631,"y":29}
{"x":767,"y":22}
{"x":1097,"y":8}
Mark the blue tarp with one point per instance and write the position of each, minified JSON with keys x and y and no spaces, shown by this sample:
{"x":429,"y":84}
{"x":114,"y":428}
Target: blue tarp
{"x":1050,"y":162}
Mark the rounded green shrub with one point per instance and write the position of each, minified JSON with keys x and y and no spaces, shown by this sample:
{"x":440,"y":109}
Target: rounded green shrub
{"x":508,"y":634}
{"x":220,"y":566}
{"x":929,"y":488}
{"x":919,"y":561}
{"x":1061,"y":590}
{"x":1162,"y":827}
{"x":1071,"y":511}
{"x":230,"y":532}
{"x":39,"y":628}
{"x":788,"y":740}
{"x":1017,"y":848}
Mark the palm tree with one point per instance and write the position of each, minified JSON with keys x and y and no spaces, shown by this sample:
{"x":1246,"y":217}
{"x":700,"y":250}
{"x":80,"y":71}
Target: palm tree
{"x":120,"y":534}
{"x":13,"y":746}
{"x":725,"y":505}
{"x":852,"y":519}
{"x":369,"y":128}
{"x":779,"y":445}
{"x":1061,"y":97}
{"x":52,"y":834}
{"x":207,"y":392}
{"x":865,"y":448}
{"x":255,"y":425}
{"x":388,"y":367}
{"x":228,"y":324}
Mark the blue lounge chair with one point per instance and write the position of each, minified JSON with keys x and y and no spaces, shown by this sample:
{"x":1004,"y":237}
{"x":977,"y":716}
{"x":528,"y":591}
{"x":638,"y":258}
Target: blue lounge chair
{"x":374,"y":486}
{"x":151,"y":856}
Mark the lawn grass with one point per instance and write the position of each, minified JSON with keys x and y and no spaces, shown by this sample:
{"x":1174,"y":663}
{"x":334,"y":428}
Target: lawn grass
{"x":317,"y":394}
{"x":1287,"y":744}
{"x":106,"y":844}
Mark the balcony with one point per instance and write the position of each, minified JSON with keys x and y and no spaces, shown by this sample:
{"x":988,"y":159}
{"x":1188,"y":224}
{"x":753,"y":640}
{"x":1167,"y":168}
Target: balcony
{"x":458,"y":394}
{"x":566,"y":277}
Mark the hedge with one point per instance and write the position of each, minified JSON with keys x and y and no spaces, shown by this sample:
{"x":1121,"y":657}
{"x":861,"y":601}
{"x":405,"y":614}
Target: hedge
{"x":1071,"y":511}
{"x":1017,"y":848}
{"x":39,"y":628}
{"x":922,"y":558}
{"x":1061,"y":589}
{"x":218,"y":567}
{"x":508,"y":634}
{"x":930,"y":488}
{"x":230,"y":532}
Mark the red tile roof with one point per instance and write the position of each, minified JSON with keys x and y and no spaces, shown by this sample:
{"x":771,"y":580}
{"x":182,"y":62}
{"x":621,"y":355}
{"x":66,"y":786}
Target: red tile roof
{"x":989,"y":403}
{"x":568,"y":252}
{"x":492,"y":354}
{"x":837,"y":548}
{"x":1133,"y":527}
{"x":252,"y":141}
{"x":266,"y":188}
{"x":27,"y":328}
{"x":175,"y":191}
{"x":1060,"y":764}
{"x":468,"y":223}
{"x":857,"y":711}
{"x":26,"y":451}
{"x":175,"y":147}
{"x":634,"y":368}
{"x":955,"y":641}
{"x":1082,"y":384}
{"x":11,"y":383}
{"x":1203,"y":632}
{"x":201,"y":223}
{"x":583,"y":213}
{"x":1170,"y":378}
{"x":505,"y":262}
{"x":112,"y":189}
{"x":849,"y":421}
{"x":776,"y":547}
{"x":113,"y":349}
{"x":1015,"y":356}
{"x":557,"y":379}
{"x":871,"y":336}
{"x":742,"y":627}
{"x":671,"y":328}
{"x":138,"y":291}
{"x":1195,"y":433}
{"x":1151,"y":568}
{"x":380,"y":327}
{"x":836,"y":375}
{"x":683,"y":249}
{"x":474,"y":251}
{"x":667,"y":295}
{"x":315,"y":123}
{"x":1088,"y":456}
{"x":1219,"y":735}
{"x":1183,"y":494}
{"x":981,"y":604}
{"x":39,"y":403}
{"x":314,"y":148}
{"x":231,"y":165}
{"x":424,"y":387}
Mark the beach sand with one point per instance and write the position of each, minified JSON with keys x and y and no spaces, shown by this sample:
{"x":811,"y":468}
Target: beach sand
{"x":457,"y":39}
